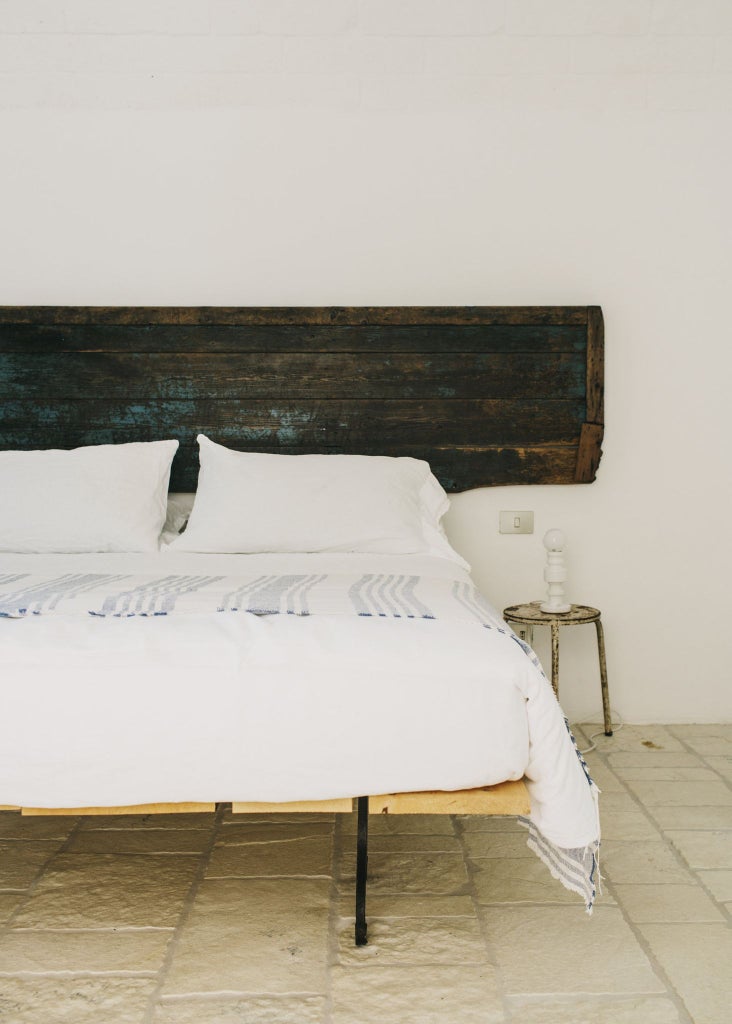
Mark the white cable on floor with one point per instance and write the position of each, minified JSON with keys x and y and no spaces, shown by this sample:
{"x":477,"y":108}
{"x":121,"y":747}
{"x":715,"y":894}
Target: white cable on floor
{"x":616,"y":728}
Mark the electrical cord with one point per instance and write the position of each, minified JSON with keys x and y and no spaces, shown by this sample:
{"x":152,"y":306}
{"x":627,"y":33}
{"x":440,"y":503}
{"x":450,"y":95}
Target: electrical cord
{"x":616,"y":726}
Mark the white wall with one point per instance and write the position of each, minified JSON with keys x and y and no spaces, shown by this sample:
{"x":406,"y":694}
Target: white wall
{"x":429,"y":151}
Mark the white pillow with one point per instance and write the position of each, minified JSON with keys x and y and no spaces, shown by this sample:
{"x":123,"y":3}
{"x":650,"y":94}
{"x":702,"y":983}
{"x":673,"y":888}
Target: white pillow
{"x":249,"y":502}
{"x":178,"y":511}
{"x":109,"y":497}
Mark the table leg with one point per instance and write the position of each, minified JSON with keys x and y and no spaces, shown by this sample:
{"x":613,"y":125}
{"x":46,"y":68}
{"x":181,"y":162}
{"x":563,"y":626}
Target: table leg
{"x":603,"y":679}
{"x":555,"y":657}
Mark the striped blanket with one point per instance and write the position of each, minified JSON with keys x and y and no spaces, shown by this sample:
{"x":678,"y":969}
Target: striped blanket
{"x":370,"y":595}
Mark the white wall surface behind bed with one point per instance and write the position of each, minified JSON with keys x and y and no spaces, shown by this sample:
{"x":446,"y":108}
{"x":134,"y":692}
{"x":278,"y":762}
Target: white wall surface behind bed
{"x":479,"y":151}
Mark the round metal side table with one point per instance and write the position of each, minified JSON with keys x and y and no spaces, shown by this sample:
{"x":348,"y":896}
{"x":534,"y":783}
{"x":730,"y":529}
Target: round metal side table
{"x":578,"y":615}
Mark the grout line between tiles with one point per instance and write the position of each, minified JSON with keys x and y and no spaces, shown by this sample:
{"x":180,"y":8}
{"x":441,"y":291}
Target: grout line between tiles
{"x":6,"y":928}
{"x":684,"y":1016}
{"x":333,"y":948}
{"x":725,"y":909}
{"x":204,"y":859}
{"x":473,"y":893}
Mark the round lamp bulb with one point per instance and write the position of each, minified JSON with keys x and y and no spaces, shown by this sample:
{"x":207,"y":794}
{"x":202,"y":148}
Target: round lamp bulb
{"x":554,"y":540}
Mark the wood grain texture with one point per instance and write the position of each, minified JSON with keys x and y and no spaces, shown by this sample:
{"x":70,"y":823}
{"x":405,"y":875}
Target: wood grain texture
{"x":183,"y":808}
{"x":299,"y":807}
{"x":505,"y":798}
{"x":488,"y":395}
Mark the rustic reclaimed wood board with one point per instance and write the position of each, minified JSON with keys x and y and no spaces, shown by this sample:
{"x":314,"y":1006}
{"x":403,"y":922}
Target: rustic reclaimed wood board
{"x":488,"y":395}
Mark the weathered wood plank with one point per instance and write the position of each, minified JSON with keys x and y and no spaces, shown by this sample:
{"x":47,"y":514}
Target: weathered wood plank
{"x":589,"y":453}
{"x":150,"y":378}
{"x":595,"y":389}
{"x":305,"y":425}
{"x":254,"y":315}
{"x":488,"y":395}
{"x":270,"y":338}
{"x":457,"y":469}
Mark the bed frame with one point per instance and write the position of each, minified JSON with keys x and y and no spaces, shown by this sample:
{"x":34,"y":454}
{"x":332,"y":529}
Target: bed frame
{"x":488,"y":395}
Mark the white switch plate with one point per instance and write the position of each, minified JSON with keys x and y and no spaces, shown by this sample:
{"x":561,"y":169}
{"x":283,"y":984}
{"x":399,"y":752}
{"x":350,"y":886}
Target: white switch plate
{"x":516,"y":522}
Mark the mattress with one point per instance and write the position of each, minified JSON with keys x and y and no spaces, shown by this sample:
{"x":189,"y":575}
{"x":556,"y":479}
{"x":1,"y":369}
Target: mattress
{"x":163,"y":708}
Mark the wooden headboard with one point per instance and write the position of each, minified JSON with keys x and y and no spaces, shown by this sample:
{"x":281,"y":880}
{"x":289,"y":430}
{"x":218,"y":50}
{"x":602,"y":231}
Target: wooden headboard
{"x":489,"y":395}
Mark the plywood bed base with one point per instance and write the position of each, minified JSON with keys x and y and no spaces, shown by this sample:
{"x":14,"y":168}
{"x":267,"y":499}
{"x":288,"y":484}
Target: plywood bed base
{"x":504,"y":798}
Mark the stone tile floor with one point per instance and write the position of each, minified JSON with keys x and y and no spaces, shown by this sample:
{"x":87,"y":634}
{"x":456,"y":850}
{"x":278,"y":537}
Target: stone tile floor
{"x":219,"y":920}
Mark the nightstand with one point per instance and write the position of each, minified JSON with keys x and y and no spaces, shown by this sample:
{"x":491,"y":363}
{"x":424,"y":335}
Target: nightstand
{"x":578,"y":615}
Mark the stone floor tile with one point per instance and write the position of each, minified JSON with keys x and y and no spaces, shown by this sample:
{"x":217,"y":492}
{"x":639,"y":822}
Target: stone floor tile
{"x":254,"y":935}
{"x":650,"y":862}
{"x":696,"y":958}
{"x":519,"y":880}
{"x":402,"y":824}
{"x":294,"y":818}
{"x":301,"y":855}
{"x":74,"y":1000}
{"x":716,"y":730}
{"x":89,"y":952}
{"x":653,"y":773}
{"x":377,"y":994}
{"x":82,"y":890}
{"x":563,"y":950}
{"x":141,"y":840}
{"x":605,"y":779}
{"x":692,"y":817}
{"x":204,"y":820}
{"x":394,"y":844}
{"x":704,"y":849}
{"x":673,"y":903}
{"x":654,"y":759}
{"x":413,"y":843}
{"x":15,"y":826}
{"x":394,"y":904}
{"x":719,"y":883}
{"x":622,"y":818}
{"x":254,"y":1010}
{"x":682,"y":794}
{"x":586,"y":1010}
{"x":246,"y":834}
{"x":497,"y":844}
{"x":446,"y":940}
{"x":705,"y":745}
{"x":721,"y":763}
{"x":413,"y":872}
{"x":635,"y":738}
{"x":489,"y":823}
{"x":9,"y":903}
{"x":20,"y":862}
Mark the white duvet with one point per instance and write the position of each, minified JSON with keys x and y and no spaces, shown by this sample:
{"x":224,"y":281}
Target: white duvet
{"x":236,"y":706}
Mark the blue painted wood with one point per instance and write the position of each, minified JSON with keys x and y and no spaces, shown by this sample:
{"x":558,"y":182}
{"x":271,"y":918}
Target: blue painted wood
{"x":487,"y":395}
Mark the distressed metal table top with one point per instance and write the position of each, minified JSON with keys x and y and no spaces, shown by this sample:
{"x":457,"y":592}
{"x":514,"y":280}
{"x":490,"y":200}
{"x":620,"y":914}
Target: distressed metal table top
{"x":531,"y":614}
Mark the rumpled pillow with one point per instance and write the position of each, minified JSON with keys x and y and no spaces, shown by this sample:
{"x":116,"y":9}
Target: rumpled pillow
{"x":109,"y":497}
{"x":254,"y":502}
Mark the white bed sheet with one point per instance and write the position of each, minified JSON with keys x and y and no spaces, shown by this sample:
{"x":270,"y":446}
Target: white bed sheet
{"x":242,"y":707}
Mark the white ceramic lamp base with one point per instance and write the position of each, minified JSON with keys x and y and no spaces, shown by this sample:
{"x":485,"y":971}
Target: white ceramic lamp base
{"x":555,"y":573}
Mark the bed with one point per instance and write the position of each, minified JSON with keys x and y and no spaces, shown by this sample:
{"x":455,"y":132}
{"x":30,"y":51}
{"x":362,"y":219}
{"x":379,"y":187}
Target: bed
{"x":349,"y":661}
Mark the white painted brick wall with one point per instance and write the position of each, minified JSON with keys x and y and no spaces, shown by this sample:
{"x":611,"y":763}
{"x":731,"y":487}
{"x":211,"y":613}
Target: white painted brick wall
{"x":431,"y":17}
{"x":164,"y":17}
{"x":378,"y":54}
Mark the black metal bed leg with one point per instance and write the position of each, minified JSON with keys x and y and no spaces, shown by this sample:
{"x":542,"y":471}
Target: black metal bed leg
{"x":362,"y":859}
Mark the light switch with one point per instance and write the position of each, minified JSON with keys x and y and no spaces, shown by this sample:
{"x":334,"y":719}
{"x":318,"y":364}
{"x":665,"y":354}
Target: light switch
{"x":515,"y":522}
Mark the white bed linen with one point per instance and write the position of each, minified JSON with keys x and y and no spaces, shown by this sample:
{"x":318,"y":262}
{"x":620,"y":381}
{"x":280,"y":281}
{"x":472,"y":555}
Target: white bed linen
{"x":242,"y":707}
